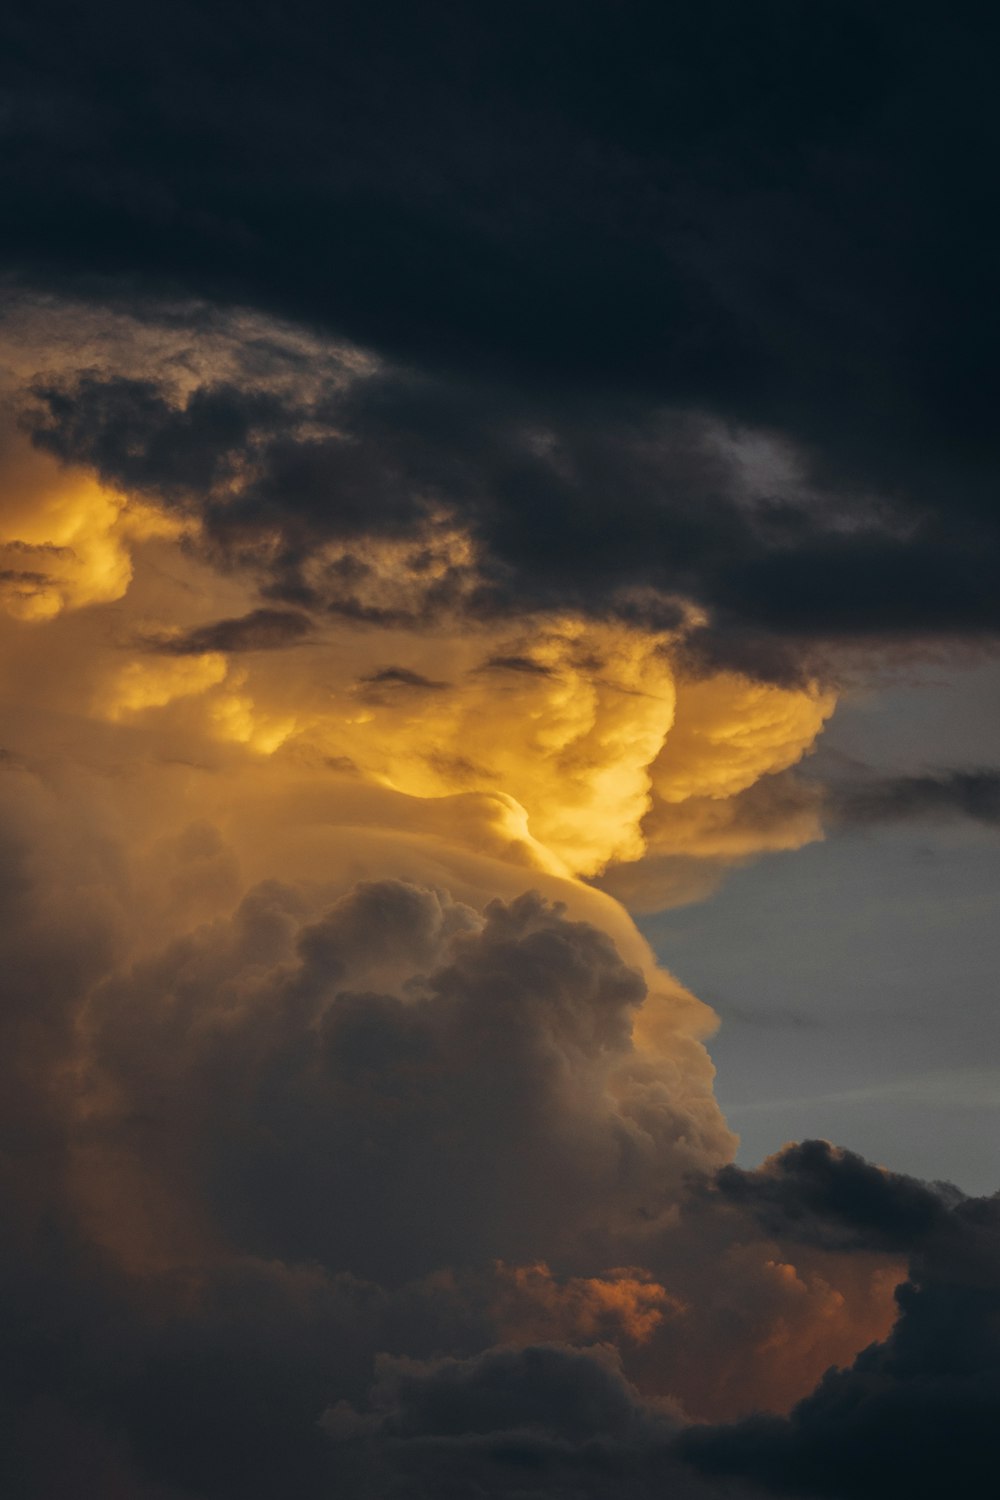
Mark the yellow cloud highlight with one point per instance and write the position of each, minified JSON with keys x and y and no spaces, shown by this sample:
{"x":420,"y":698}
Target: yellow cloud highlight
{"x":729,"y":731}
{"x":720,"y":792}
{"x":565,"y":721}
{"x":602,"y":757}
{"x":235,"y":717}
{"x":156,"y":681}
{"x":586,"y":726}
{"x":65,"y":540}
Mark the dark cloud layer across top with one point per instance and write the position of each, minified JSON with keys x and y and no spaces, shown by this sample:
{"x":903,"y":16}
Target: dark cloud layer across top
{"x":569,"y":218}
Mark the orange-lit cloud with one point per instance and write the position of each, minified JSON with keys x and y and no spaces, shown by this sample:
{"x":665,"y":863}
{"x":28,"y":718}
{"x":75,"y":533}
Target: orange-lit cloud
{"x":65,"y":540}
{"x":757,"y":1331}
{"x":215,"y":817}
{"x":155,"y":682}
{"x":534,"y":1305}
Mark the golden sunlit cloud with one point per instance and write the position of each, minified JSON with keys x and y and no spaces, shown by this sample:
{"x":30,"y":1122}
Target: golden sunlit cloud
{"x":65,"y":540}
{"x":565,"y":721}
{"x":730,"y":731}
{"x":155,"y":682}
{"x":226,"y":798}
{"x":574,"y":724}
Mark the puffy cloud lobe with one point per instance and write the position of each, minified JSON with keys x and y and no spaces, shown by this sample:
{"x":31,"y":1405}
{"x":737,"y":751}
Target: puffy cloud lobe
{"x":730,"y":731}
{"x":496,"y":1392}
{"x":824,"y":1195}
{"x":488,"y":1102}
{"x":140,"y":685}
{"x":720,"y":788}
{"x":915,"y":1415}
{"x":531,"y":1422}
{"x":203,"y":1112}
{"x":580,"y":724}
{"x":625,"y":1303}
{"x":585,"y":710}
{"x":66,"y":541}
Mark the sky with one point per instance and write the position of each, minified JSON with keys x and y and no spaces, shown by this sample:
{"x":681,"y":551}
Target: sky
{"x":499,"y":781}
{"x":838,"y":972}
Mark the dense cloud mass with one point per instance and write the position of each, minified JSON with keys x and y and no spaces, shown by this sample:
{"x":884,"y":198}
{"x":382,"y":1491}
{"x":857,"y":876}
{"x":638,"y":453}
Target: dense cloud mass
{"x":694,"y":301}
{"x":451,"y":460}
{"x":359,"y":1185}
{"x":914,"y":1415}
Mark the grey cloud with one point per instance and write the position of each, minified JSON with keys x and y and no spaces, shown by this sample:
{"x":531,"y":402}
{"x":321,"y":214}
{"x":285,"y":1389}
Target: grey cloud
{"x":136,"y":433}
{"x":542,"y":1421}
{"x":625,"y":508}
{"x":260,"y":630}
{"x":525,"y":664}
{"x":913,"y":1417}
{"x":556,"y":235}
{"x":400,"y":677}
{"x":823,"y":1195}
{"x":467,"y":1086}
{"x":973,"y":794}
{"x":356,"y":1106}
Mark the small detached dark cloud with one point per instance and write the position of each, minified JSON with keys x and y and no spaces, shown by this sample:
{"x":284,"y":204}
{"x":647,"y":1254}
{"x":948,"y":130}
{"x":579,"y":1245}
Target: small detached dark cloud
{"x":400,"y":677}
{"x":260,"y":630}
{"x":526,"y":664}
{"x":971,"y":794}
{"x":822,"y":1195}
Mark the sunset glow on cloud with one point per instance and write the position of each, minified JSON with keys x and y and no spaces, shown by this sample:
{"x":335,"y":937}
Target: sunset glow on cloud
{"x":397,"y":793}
{"x":442,"y":532}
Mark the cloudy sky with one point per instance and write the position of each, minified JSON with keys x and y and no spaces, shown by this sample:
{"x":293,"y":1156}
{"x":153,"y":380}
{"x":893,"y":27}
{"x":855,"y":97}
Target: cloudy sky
{"x":500,"y":751}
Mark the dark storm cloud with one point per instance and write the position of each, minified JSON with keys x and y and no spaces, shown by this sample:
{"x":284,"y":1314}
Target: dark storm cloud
{"x":914,"y":1417}
{"x":260,"y":630}
{"x":209,"y":1379}
{"x":543,"y":1422}
{"x":97,"y":1387}
{"x":458,"y":185}
{"x":564,"y":502}
{"x":358,"y":1117}
{"x":133,"y":434}
{"x":784,"y":220}
{"x":826,"y":1196}
{"x":901,"y":799}
{"x":621,"y":509}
